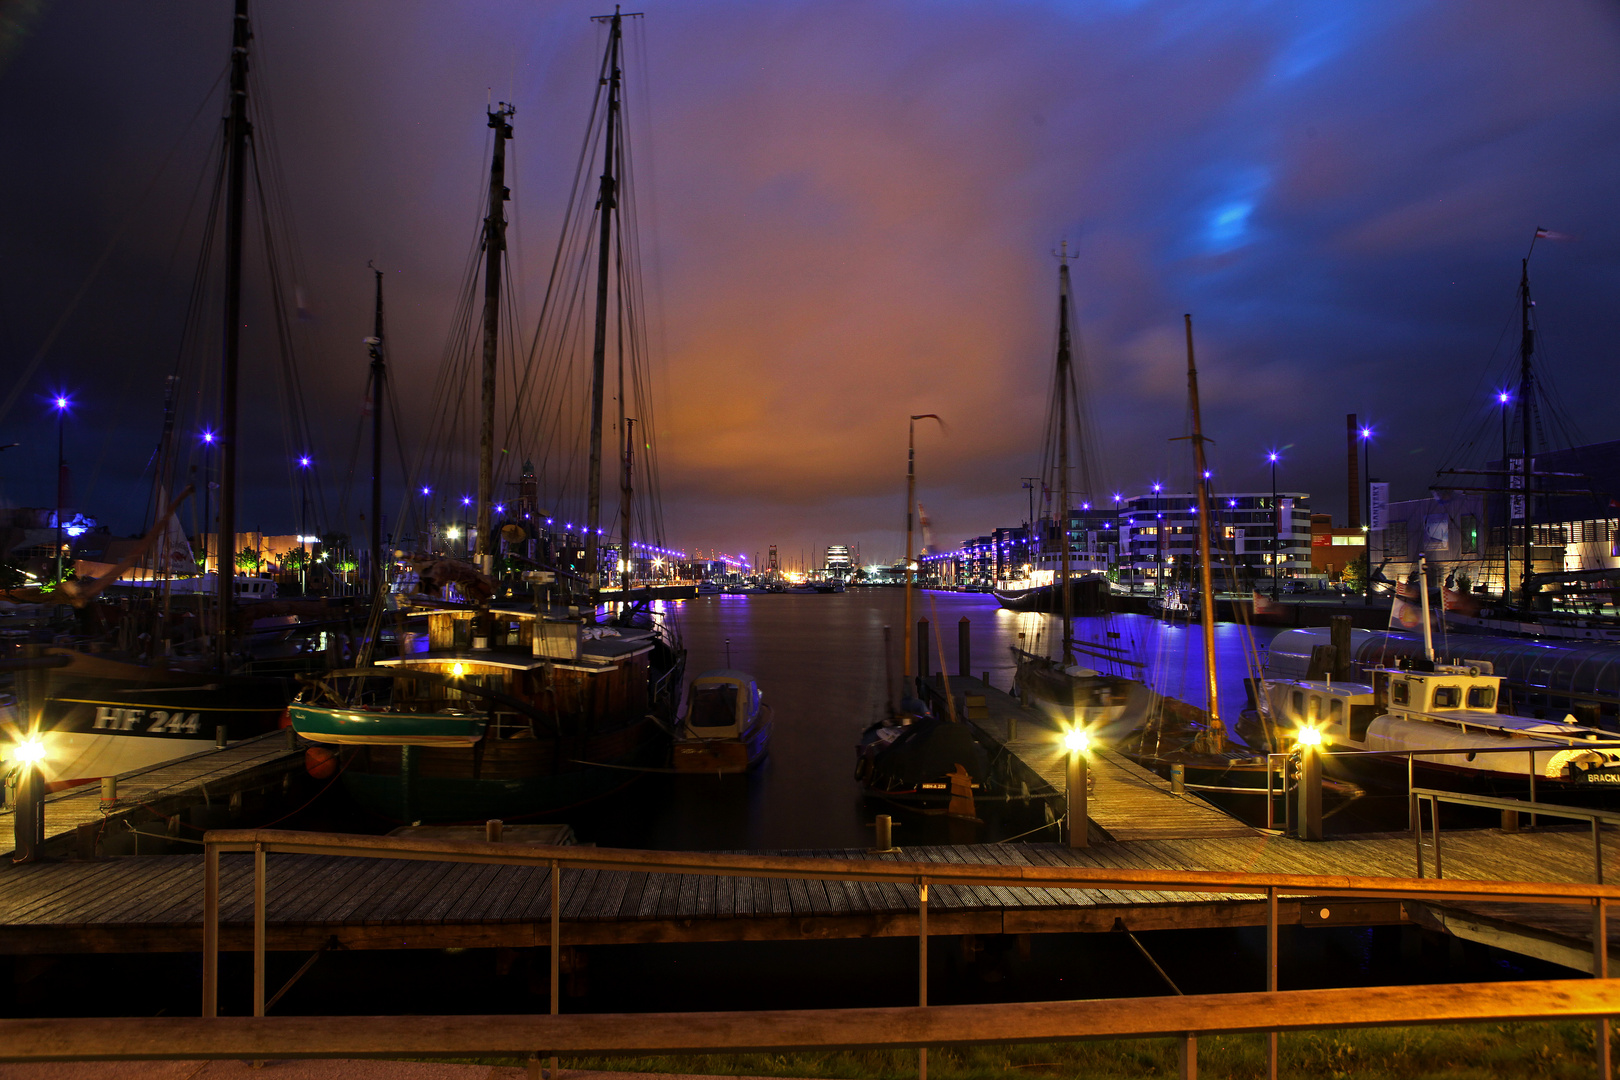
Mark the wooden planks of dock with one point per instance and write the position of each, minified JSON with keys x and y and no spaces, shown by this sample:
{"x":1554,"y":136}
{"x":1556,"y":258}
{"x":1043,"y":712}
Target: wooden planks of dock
{"x":154,"y":903}
{"x":74,"y":816}
{"x":1127,"y":801}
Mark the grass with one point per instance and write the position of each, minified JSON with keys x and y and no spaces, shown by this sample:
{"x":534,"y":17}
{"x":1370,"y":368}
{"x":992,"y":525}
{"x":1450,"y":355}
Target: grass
{"x":1460,"y":1052}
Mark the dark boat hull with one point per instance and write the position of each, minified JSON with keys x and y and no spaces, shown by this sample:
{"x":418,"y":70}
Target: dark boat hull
{"x":1087,"y":596}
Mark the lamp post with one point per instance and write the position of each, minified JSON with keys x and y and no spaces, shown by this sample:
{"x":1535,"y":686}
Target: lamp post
{"x":1276,"y":523}
{"x":208,"y":438}
{"x":60,"y":403}
{"x":303,"y":523}
{"x":427,"y":526}
{"x":1366,"y":479}
{"x":1077,"y":742}
{"x":1503,"y":398}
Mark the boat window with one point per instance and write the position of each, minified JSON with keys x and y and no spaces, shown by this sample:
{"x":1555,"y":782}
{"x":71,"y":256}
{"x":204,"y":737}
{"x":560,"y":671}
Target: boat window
{"x":1482,"y":697}
{"x":1335,"y":711}
{"x":1360,"y":717}
{"x":1447,"y":697}
{"x":1316,"y":708}
{"x":1298,"y":703}
{"x":1397,"y":693}
{"x":713,"y":706}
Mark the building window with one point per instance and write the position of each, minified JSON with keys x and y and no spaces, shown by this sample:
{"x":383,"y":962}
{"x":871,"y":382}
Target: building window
{"x":1470,"y":534}
{"x":1395,"y":540}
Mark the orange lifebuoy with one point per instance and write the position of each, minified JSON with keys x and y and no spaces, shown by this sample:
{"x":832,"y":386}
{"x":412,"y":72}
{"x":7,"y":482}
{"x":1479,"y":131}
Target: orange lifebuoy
{"x":320,"y":762}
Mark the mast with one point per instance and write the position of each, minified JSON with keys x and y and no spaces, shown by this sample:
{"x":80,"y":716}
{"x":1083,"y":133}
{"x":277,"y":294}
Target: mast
{"x":911,"y":505}
{"x":607,"y":204}
{"x":1527,"y":347}
{"x":1063,"y":361}
{"x":911,"y":502}
{"x":236,"y":137}
{"x":379,"y":381}
{"x":494,"y":248}
{"x":1216,"y":730}
{"x":625,"y":493}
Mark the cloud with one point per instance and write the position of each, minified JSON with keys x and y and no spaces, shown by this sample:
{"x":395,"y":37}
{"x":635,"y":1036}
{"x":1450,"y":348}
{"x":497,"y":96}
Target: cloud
{"x":849,"y":211}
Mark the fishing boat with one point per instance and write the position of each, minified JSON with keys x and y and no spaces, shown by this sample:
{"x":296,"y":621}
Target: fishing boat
{"x":1421,"y":704}
{"x":726,"y":727}
{"x":1109,"y":704}
{"x":520,"y":709}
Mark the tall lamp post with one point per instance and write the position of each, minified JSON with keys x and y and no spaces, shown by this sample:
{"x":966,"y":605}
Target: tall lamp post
{"x":1366,"y":479}
{"x":1504,"y":399}
{"x":208,"y":438}
{"x":303,"y":522}
{"x":60,"y":403}
{"x":1276,"y":523}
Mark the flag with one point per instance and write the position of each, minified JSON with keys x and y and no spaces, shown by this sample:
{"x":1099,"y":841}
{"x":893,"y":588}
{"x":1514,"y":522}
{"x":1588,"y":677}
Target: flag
{"x":1548,"y":234}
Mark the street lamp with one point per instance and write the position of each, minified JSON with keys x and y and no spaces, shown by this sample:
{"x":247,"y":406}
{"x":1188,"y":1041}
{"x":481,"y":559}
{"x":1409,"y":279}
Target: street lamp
{"x":1366,"y":548}
{"x":303,"y":522}
{"x":1276,"y":522}
{"x":1504,"y":399}
{"x":1076,"y":741}
{"x":60,"y":403}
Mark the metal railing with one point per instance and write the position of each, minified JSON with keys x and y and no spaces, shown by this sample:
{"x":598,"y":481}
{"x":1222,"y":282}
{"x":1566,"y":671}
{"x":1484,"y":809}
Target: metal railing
{"x":920,"y":1026}
{"x":1434,"y":798}
{"x":1530,"y":752}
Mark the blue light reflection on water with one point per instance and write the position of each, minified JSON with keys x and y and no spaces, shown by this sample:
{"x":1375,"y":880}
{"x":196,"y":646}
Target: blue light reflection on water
{"x":819,"y":661}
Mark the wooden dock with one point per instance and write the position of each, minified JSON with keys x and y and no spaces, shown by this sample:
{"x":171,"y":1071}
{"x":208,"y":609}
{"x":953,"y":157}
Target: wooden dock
{"x":1127,"y":802}
{"x":154,"y":904}
{"x":77,"y":824}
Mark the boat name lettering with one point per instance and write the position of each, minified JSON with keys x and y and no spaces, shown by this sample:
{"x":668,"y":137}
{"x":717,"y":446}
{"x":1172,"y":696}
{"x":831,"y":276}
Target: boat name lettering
{"x":163,"y":722}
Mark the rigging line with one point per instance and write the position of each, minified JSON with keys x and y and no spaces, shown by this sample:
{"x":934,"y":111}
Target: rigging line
{"x":106,"y":253}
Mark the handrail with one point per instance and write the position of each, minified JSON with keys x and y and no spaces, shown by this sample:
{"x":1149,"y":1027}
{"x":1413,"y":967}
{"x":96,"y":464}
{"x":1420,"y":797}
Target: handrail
{"x":1577,"y":813}
{"x":905,"y":1027}
{"x":775,"y":1031}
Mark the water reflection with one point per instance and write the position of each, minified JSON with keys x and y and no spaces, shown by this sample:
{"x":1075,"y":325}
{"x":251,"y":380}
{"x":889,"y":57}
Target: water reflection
{"x":819,"y":660}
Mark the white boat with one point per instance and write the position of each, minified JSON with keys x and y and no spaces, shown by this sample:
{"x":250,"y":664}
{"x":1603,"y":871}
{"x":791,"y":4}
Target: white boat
{"x":1427,"y":706}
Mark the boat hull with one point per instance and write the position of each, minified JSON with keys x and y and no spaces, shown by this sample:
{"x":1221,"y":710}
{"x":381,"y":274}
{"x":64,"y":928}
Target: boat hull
{"x":96,"y":727}
{"x":1087,"y":595}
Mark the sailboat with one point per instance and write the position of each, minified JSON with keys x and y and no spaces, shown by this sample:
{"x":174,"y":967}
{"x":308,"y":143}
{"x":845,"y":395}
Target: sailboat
{"x":1108,"y":704}
{"x":912,"y":754}
{"x":1519,"y":484}
{"x":142,"y":702}
{"x":518,"y":707}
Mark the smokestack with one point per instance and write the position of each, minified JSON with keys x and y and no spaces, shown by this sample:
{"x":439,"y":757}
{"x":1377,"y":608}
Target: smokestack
{"x":1355,"y":471}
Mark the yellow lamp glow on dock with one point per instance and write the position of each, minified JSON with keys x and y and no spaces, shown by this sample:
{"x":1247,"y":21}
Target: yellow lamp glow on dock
{"x":1076,"y":741}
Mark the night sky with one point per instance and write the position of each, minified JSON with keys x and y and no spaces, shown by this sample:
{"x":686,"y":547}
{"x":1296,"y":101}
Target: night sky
{"x":851,"y":210}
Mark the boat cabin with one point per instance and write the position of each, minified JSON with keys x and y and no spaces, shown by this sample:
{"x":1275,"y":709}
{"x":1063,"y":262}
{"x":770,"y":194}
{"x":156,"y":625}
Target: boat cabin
{"x":721,"y":704}
{"x":1343,"y":710}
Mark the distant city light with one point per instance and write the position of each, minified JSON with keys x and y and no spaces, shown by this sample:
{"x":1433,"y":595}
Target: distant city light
{"x":1273,"y":457}
{"x":208,"y":436}
{"x":427,"y":490}
{"x":1502,"y":397}
{"x":1366,"y":433}
{"x":304,"y":461}
{"x":466,"y":500}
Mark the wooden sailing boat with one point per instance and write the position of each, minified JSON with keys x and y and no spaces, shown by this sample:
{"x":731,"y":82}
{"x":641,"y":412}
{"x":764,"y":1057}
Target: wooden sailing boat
{"x":516,"y":708}
{"x":1107,"y":704}
{"x":141,"y":705}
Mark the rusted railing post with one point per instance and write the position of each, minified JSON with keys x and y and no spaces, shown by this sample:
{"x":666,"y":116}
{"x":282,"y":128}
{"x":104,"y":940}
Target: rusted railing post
{"x":259,"y":906}
{"x":1187,"y":1057}
{"x":210,"y":974}
{"x":1271,"y":976}
{"x":1600,"y":970}
{"x":556,"y":947}
{"x":922,"y":968}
